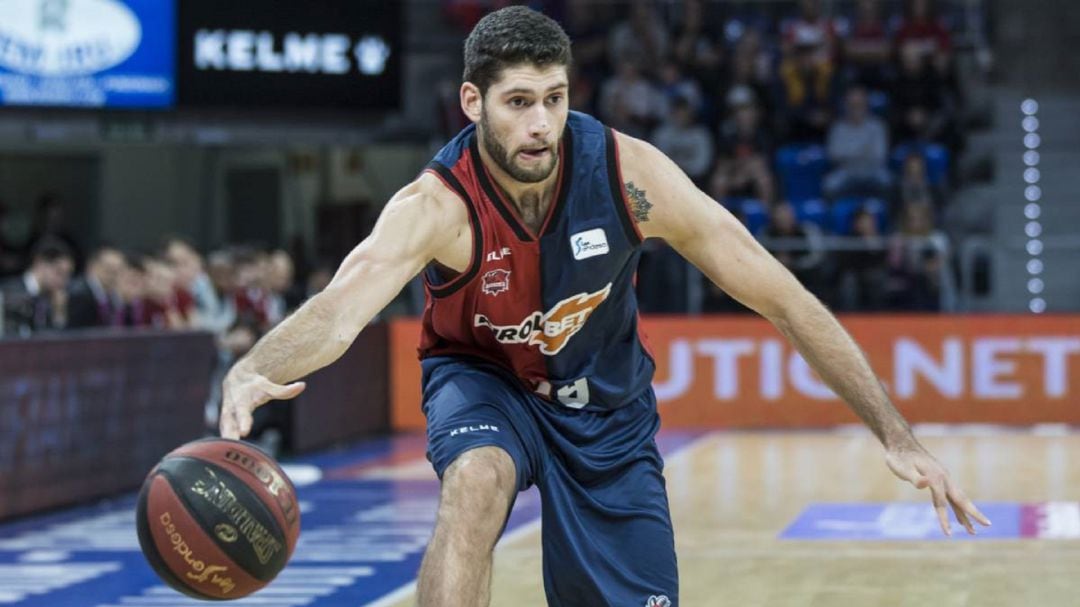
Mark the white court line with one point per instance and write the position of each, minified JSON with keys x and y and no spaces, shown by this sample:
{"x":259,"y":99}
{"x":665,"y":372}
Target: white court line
{"x":389,"y":599}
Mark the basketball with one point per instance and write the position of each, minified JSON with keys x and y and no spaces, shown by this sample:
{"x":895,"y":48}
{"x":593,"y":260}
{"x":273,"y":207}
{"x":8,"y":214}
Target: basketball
{"x":217,"y":519}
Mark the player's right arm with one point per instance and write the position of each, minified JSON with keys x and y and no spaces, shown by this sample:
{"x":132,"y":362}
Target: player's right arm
{"x":422,"y":222}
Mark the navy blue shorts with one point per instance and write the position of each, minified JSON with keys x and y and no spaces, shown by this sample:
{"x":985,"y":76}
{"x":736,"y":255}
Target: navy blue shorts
{"x":606,"y":530}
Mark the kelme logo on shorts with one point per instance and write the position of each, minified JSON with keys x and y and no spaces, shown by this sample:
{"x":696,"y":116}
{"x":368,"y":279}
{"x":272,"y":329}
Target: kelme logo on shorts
{"x":550,"y":331}
{"x":658,"y":601}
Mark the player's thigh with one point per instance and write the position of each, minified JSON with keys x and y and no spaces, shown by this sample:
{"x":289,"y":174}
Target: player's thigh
{"x":469,"y":407}
{"x":611,"y":543}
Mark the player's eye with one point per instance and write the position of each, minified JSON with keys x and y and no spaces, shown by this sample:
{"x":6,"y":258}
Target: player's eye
{"x":519,"y":102}
{"x":555,"y":99}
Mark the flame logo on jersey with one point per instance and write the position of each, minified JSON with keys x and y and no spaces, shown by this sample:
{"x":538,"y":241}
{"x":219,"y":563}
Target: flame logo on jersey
{"x":550,"y":331}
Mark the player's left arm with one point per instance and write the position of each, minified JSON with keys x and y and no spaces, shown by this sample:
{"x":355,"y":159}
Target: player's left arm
{"x":666,"y":204}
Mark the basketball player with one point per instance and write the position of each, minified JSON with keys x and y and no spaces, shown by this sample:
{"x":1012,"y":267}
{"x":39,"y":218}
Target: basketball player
{"x":527,"y":227}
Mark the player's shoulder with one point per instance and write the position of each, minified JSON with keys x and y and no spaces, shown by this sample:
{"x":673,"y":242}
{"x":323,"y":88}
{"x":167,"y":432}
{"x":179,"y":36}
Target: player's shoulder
{"x":429,"y":194}
{"x":641,"y":160}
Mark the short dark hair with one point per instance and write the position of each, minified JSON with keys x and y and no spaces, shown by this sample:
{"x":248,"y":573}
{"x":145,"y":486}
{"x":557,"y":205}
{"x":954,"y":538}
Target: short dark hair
{"x":50,"y":250}
{"x":512,"y":36}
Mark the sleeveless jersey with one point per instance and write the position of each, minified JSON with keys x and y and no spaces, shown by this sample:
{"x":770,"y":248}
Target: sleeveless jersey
{"x":557,"y":309}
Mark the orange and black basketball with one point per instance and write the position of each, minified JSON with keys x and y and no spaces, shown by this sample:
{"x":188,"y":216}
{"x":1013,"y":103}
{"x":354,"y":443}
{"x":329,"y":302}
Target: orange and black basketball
{"x":217,"y":519}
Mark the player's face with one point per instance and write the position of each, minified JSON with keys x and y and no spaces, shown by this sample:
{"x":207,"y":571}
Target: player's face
{"x":522,"y":120}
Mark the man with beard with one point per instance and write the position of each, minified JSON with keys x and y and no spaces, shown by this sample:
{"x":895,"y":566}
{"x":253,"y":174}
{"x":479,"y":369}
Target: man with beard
{"x":527,"y":227}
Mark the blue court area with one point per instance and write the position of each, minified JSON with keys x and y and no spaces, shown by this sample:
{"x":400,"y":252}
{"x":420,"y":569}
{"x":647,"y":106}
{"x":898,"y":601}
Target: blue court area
{"x":918,"y":521}
{"x":368,"y":512}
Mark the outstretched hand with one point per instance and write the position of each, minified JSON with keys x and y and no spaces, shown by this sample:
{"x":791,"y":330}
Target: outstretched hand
{"x":919,"y":468}
{"x":242,"y":393}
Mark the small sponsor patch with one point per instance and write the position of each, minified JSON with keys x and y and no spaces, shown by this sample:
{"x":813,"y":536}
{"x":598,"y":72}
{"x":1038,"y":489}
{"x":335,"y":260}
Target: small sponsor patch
{"x":589,"y":243}
{"x":476,"y":428}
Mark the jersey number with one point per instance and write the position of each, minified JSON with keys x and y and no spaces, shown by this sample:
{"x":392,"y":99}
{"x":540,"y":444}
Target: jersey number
{"x":575,"y":395}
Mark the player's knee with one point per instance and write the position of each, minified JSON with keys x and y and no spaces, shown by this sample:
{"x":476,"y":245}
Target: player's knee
{"x":479,"y":482}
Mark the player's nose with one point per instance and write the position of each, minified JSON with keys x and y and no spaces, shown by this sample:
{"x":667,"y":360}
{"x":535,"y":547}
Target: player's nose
{"x":539,"y":125}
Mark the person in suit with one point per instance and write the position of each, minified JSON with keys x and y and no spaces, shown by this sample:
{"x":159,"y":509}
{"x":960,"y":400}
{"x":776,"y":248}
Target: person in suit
{"x":92,"y":298}
{"x":37,"y":300}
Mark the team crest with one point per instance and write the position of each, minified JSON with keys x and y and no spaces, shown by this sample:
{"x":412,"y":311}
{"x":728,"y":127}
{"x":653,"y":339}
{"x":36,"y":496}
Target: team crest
{"x":495,"y":282}
{"x":658,"y":601}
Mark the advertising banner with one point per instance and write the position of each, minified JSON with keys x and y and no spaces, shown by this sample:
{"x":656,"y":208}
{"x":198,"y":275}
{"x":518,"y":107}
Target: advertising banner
{"x":739,"y":372}
{"x":86,"y":415}
{"x":342,"y":54}
{"x":87,"y":53}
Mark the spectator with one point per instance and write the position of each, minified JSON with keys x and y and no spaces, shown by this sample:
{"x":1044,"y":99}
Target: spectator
{"x":868,"y":48}
{"x":167,"y":307}
{"x":923,"y":34}
{"x":915,"y":186}
{"x":915,"y":260}
{"x":807,"y":85}
{"x":191,"y":276}
{"x":37,"y":300}
{"x":922,"y":106}
{"x":796,"y":245}
{"x":283,"y":298}
{"x":221,"y":313}
{"x":694,"y":48}
{"x":675,"y":85}
{"x":50,"y":222}
{"x":641,"y":39}
{"x":630,"y":103}
{"x":251,"y":295}
{"x":686,"y":141}
{"x":743,"y":167}
{"x":131,"y":288}
{"x":93,"y":300}
{"x":751,"y":67}
{"x":862,"y":272}
{"x":858,"y":147}
{"x":811,"y":25}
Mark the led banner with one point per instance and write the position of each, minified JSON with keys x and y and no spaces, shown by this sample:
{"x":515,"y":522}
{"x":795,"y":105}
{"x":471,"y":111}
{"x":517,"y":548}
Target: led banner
{"x":739,"y":372}
{"x":342,"y":54}
{"x":87,"y":53}
{"x":87,"y":414}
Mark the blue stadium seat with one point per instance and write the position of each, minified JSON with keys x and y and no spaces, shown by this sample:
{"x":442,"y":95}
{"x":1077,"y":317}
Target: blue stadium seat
{"x":936,"y":155}
{"x":813,"y":211}
{"x":801,"y":168}
{"x":843,"y":212}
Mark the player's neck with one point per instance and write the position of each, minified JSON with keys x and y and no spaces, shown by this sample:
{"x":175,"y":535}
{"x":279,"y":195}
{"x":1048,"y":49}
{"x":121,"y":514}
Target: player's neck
{"x":521,"y":194}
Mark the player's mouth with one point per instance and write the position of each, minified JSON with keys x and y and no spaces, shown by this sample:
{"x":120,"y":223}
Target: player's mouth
{"x":535,"y":153}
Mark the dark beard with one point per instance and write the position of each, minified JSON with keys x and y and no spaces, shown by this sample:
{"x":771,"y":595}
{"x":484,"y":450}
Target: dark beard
{"x":502,"y":158}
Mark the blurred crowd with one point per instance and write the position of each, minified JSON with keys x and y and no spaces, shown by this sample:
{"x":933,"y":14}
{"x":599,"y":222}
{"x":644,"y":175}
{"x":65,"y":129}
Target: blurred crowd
{"x":808,"y":120}
{"x":237,"y":293}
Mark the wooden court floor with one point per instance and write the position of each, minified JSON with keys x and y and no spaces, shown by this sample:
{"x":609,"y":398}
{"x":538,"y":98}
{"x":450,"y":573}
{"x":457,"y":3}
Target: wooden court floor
{"x":732,"y":493}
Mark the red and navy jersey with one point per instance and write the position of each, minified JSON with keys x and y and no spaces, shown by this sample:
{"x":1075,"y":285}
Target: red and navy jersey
{"x":556,"y":308}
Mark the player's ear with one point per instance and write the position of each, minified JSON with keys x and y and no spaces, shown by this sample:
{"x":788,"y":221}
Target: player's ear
{"x":472,"y":102}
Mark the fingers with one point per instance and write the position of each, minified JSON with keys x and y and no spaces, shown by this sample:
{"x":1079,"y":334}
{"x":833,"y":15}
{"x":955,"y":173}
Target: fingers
{"x":957,"y":500}
{"x":965,"y":510}
{"x":938,"y":495}
{"x":962,"y":516}
{"x":280,"y":392}
{"x":243,"y":420}
{"x":236,"y":412}
{"x":227,"y":424}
